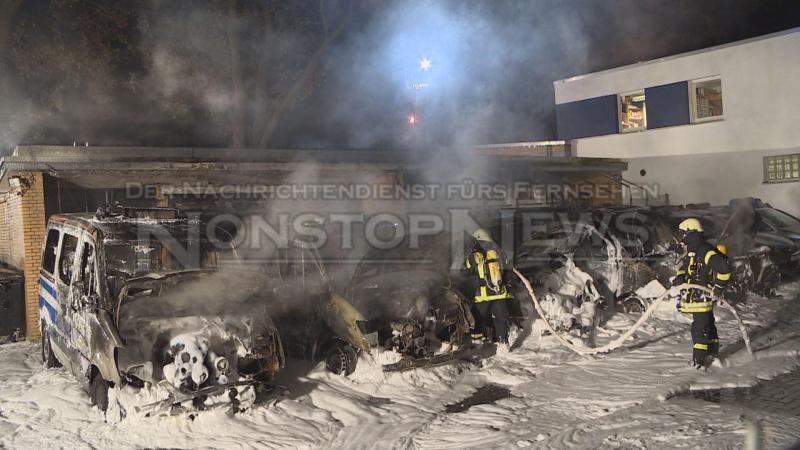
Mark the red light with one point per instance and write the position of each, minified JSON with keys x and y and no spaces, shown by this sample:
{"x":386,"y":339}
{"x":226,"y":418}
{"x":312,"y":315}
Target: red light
{"x":412,"y":119}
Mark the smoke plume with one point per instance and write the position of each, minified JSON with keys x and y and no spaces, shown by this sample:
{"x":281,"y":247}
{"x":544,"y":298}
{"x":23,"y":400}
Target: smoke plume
{"x":329,"y":74}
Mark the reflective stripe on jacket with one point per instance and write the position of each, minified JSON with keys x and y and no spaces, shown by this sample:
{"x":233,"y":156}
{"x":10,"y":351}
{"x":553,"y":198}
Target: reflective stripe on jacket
{"x":710,"y":270}
{"x":488,"y":265}
{"x":697,"y":307}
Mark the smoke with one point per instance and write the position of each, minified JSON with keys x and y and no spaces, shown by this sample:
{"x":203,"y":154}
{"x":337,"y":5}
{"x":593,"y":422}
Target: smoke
{"x":16,"y":115}
{"x":462,"y":95}
{"x":347,"y":74}
{"x":174,"y":81}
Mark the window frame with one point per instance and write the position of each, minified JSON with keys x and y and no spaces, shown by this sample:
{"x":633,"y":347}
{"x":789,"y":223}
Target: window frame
{"x":765,"y":164}
{"x":93,"y":285}
{"x":64,"y":234}
{"x":55,"y":252}
{"x":693,"y":100}
{"x":763,"y":225}
{"x":620,"y":96}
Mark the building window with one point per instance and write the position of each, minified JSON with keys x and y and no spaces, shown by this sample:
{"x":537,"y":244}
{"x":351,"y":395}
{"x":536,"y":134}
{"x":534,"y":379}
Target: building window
{"x":706,"y":99}
{"x":632,"y":114}
{"x":779,"y":169}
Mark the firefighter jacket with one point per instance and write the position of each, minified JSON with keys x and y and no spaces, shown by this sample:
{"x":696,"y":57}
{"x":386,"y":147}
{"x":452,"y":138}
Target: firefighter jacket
{"x":489,"y":266}
{"x":703,"y":265}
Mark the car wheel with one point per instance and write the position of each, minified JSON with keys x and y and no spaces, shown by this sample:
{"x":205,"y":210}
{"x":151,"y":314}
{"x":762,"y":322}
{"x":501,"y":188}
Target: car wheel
{"x":99,"y":392}
{"x":341,"y":359}
{"x":633,"y":305}
{"x":48,"y":357}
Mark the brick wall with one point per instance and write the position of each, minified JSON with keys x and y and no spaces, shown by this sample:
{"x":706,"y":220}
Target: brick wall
{"x":25,"y":226}
{"x":5,"y":238}
{"x":16,"y":249}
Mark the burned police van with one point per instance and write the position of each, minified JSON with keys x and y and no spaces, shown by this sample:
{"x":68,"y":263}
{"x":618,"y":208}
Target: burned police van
{"x":138,"y":305}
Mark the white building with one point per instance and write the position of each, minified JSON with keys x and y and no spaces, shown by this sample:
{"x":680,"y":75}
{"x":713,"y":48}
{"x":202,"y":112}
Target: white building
{"x":705,"y":126}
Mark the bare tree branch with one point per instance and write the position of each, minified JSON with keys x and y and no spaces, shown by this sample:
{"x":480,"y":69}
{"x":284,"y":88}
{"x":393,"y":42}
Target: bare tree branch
{"x":237,"y":103}
{"x":7,"y":10}
{"x":289,"y":97}
{"x":323,"y":18}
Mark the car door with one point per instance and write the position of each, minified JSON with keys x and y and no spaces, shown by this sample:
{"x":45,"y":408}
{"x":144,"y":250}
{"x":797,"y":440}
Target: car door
{"x":83,"y":296}
{"x":50,"y":312}
{"x":65,"y":266}
{"x":601,"y":258}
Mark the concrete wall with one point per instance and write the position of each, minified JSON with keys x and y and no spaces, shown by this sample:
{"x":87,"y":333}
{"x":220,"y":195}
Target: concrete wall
{"x":716,"y":160}
{"x":761,"y":100}
{"x":714,"y":179}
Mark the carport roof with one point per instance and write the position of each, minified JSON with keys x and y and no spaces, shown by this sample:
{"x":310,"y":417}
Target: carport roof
{"x":108,"y":167}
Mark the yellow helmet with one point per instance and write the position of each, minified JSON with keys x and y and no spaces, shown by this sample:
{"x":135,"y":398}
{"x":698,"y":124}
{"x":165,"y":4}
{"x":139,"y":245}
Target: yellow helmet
{"x":722,"y":248}
{"x":482,"y":235}
{"x":691,"y":224}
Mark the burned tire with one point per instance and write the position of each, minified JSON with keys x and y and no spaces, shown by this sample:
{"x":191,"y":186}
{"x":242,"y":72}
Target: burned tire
{"x":341,"y":359}
{"x":98,"y":392}
{"x":633,"y":305}
{"x":48,"y":357}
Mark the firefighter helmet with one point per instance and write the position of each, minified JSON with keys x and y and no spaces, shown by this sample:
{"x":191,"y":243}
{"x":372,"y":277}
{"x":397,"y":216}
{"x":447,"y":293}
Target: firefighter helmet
{"x":691,"y":224}
{"x":722,"y":248}
{"x":482,"y":235}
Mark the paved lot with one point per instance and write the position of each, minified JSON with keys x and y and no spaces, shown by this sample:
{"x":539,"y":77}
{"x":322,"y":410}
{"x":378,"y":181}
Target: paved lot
{"x":780,"y":395}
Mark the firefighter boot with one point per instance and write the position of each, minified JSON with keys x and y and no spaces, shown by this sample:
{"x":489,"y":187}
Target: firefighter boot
{"x":699,"y":355}
{"x":713,"y":352}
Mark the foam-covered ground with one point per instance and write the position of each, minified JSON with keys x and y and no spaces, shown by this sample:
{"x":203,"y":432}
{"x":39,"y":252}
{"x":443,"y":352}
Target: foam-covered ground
{"x":621,"y":400}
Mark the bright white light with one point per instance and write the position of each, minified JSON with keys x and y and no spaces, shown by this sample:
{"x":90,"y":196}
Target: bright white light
{"x":425,"y":63}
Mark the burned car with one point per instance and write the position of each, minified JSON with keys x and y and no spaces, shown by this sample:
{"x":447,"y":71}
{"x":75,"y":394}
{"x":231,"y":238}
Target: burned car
{"x":771,"y":225}
{"x":315,"y":322}
{"x":125,"y":303}
{"x":576,"y":271}
{"x":771,"y":220}
{"x":756,"y":258}
{"x":409,"y":297}
{"x":614,"y":271}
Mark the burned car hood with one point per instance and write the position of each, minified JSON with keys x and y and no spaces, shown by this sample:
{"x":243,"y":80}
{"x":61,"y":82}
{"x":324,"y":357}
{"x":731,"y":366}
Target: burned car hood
{"x":147,"y":339}
{"x":223,"y":308}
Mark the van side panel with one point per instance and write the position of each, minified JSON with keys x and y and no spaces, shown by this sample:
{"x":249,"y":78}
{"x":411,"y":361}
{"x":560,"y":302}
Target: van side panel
{"x":48,"y":301}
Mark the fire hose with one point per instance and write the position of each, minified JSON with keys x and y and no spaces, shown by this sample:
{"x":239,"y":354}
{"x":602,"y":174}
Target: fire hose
{"x":616,"y":343}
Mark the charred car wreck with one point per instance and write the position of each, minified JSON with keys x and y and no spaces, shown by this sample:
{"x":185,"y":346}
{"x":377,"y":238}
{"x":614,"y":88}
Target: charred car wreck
{"x":133,"y":301}
{"x":577,"y":271}
{"x":316,"y":322}
{"x":410,"y":298}
{"x":623,"y":249}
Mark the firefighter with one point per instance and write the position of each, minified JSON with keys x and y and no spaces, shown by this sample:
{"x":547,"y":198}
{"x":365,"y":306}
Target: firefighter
{"x":490,"y":270}
{"x":706,"y":266}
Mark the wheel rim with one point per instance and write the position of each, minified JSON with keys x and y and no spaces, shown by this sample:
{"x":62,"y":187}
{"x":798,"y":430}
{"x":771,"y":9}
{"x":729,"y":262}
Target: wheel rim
{"x":633,"y":307}
{"x":350,"y":360}
{"x":337,"y":361}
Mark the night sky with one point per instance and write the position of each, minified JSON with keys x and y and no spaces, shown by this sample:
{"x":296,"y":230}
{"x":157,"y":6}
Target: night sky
{"x":311,"y":74}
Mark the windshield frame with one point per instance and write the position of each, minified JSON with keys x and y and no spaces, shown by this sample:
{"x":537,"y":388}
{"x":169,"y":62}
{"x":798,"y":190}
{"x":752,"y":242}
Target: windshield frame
{"x":778,"y":218}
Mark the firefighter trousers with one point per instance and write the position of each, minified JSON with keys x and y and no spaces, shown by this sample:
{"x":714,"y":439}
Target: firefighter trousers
{"x":497,"y":311}
{"x":704,"y":337}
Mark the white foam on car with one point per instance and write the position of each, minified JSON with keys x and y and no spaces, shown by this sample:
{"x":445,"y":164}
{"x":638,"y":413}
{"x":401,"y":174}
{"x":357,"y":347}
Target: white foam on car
{"x":559,"y":399}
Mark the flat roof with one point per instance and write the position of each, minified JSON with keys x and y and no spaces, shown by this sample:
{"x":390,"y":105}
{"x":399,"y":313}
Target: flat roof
{"x":114,"y":166}
{"x":55,"y":153}
{"x":682,"y":55}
